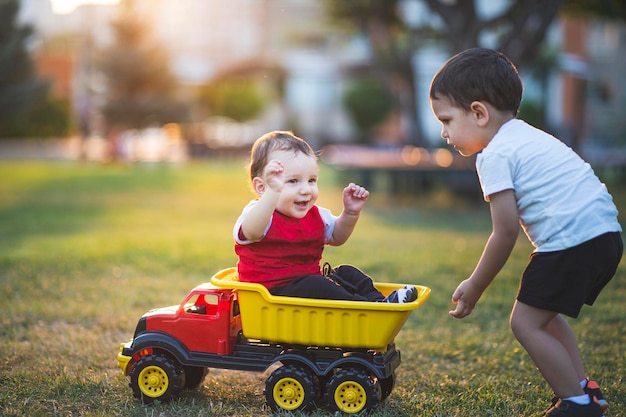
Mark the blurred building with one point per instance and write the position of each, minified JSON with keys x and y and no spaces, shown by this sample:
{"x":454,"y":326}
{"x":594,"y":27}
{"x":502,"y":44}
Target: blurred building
{"x":604,"y":44}
{"x":208,"y":38}
{"x":205,"y":38}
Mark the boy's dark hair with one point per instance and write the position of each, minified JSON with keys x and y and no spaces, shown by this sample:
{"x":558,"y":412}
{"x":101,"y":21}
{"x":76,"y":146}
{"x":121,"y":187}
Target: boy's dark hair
{"x":272,"y":141}
{"x":479,"y":74}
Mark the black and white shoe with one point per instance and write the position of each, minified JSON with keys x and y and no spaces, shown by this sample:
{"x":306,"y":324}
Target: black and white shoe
{"x":404,"y":295}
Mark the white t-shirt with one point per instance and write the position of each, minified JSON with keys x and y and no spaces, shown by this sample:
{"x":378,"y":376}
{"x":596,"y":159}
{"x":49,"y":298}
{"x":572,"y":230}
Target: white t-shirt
{"x":561,"y":202}
{"x":327,"y":217}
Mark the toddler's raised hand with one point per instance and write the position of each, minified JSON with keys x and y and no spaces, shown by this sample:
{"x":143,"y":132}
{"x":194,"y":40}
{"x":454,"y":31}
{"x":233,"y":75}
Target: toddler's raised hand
{"x":354,"y":198}
{"x":274,"y":175}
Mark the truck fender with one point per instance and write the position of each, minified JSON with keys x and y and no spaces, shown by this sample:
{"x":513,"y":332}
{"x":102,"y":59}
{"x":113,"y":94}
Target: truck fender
{"x":327,"y":368}
{"x":163,"y":342}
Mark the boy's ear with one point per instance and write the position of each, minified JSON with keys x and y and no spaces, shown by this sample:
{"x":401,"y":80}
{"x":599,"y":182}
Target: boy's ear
{"x":258,"y":185}
{"x":480,"y":112}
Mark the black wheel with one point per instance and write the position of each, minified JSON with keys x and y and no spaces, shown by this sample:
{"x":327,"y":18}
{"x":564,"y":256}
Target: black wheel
{"x":290,"y":388}
{"x":386,"y":386}
{"x":194,"y":375}
{"x":351,"y":391}
{"x":156,"y":377}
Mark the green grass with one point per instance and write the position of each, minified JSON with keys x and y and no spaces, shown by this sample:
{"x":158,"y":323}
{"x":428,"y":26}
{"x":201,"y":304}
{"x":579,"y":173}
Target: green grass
{"x":86,"y":249}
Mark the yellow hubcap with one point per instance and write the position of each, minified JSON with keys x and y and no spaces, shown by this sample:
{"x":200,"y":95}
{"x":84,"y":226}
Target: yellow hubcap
{"x":288,"y":393}
{"x":350,"y":397}
{"x":153,"y":381}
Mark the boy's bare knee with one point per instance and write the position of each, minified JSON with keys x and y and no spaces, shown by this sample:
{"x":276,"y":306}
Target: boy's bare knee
{"x":517,"y":324}
{"x":521,"y":322}
{"x":527,"y":321}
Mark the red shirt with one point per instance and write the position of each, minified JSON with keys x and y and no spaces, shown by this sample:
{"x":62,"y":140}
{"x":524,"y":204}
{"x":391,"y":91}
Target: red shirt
{"x":291,"y":248}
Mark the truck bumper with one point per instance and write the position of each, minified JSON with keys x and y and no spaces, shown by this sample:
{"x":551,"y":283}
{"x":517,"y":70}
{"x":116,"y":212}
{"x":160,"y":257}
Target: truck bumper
{"x":122,"y":360}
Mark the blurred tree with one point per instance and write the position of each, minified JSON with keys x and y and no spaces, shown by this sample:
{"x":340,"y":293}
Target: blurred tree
{"x":48,"y":118}
{"x":140,"y":88}
{"x":238,"y":98}
{"x":392,"y":47}
{"x":369,"y":103}
{"x":545,"y":63}
{"x":20,"y":89}
{"x":519,"y":28}
{"x":607,"y":9}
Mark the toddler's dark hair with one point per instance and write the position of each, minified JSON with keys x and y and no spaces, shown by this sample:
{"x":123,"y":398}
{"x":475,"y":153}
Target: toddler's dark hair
{"x":272,"y":141}
{"x":479,"y":74}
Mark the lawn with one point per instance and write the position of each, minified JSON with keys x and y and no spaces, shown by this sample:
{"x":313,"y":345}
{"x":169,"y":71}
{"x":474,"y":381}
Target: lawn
{"x":86,"y":249}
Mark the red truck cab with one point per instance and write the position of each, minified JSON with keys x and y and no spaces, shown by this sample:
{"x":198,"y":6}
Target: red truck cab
{"x":207,"y":320}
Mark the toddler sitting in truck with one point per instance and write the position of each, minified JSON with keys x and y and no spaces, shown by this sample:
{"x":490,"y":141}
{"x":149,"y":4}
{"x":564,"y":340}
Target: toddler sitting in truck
{"x":280,"y":236}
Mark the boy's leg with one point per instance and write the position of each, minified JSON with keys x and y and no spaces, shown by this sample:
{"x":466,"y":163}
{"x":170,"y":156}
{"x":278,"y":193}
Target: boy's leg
{"x":316,"y":286}
{"x":562,"y":281}
{"x":530,"y":326}
{"x":561,"y":329}
{"x":357,"y":282}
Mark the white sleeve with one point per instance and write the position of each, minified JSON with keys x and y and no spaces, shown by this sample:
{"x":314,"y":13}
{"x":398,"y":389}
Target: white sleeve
{"x":329,"y":223}
{"x":239,"y":221}
{"x":494,"y":173}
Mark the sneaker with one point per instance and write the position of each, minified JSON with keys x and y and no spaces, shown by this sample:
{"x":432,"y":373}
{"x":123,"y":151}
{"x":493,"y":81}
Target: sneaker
{"x":404,"y":295}
{"x":593,"y":390}
{"x":564,"y":408}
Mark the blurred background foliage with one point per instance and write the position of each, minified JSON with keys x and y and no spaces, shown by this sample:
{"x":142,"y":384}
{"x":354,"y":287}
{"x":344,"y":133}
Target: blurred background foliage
{"x":27,"y":108}
{"x":368,"y":103}
{"x":141,"y":90}
{"x":46,"y":118}
{"x":237,"y":98}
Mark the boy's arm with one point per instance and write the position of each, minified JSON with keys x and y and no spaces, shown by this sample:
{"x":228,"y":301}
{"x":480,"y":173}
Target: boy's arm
{"x":505,"y":220}
{"x":256,"y":220}
{"x":269,"y":187}
{"x":354,"y":198}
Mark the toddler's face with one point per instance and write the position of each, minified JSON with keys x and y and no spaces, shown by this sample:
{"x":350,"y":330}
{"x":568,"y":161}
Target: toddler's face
{"x":300,"y":191}
{"x":458,"y":127}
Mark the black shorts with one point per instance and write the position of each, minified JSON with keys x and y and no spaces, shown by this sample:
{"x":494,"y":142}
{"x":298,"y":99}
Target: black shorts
{"x":562,"y":281}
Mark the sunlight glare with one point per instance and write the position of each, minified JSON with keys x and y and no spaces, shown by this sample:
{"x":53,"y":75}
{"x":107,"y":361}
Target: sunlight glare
{"x":68,"y":6}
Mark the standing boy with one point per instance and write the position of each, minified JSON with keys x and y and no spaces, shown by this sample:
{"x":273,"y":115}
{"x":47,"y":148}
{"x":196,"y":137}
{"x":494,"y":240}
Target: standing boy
{"x":531,"y":178}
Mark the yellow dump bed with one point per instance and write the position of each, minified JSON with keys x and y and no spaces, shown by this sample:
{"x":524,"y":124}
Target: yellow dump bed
{"x":316,"y":322}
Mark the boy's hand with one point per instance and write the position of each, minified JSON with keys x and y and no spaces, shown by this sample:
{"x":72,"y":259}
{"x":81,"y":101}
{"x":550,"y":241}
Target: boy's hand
{"x":354,"y":198}
{"x":465,"y":297}
{"x":274,"y":175}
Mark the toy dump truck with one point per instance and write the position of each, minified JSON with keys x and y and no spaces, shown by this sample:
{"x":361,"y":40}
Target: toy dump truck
{"x":339,"y":355}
